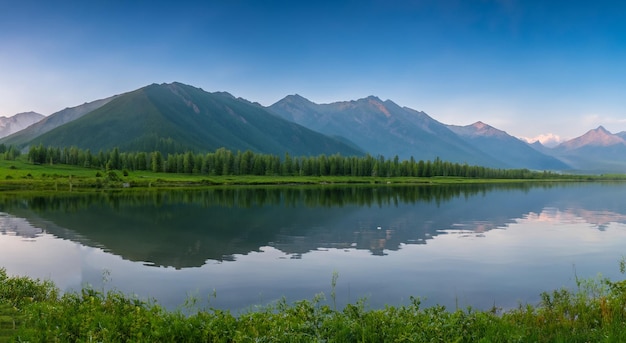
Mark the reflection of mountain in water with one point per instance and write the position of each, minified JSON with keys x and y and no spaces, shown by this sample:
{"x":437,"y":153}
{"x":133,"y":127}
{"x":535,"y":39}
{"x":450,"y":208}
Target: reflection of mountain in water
{"x":597,"y":219}
{"x":186,"y":228}
{"x":13,"y":226}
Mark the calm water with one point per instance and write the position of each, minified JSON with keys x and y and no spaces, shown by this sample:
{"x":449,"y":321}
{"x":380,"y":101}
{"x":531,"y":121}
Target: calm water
{"x":471,"y":245}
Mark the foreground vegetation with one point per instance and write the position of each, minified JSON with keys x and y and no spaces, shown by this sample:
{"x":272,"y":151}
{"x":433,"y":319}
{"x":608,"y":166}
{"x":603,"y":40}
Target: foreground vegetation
{"x":35,"y":311}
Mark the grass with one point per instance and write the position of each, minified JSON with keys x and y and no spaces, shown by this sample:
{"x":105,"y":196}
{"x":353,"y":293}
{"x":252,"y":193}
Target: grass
{"x":19,"y":175}
{"x":35,"y":311}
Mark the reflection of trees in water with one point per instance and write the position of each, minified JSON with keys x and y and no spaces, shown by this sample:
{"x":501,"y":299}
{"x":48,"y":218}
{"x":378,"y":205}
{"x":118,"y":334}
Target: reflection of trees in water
{"x":247,"y":197}
{"x":185,"y":228}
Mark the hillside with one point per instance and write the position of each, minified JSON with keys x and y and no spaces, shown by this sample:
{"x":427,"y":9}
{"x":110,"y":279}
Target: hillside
{"x":176,"y":117}
{"x":20,"y":121}
{"x":383,"y":128}
{"x":597,"y":151}
{"x":506,"y":148}
{"x":23,"y":137}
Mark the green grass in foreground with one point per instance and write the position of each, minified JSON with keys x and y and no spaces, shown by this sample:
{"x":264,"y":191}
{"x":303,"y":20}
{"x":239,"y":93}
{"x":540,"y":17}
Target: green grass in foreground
{"x":34,"y":311}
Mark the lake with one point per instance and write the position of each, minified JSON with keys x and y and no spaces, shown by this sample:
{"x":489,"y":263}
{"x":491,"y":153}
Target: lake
{"x":242,"y":247}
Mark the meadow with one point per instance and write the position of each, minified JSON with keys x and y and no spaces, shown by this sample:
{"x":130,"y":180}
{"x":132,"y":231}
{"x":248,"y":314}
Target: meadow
{"x":21,"y":175}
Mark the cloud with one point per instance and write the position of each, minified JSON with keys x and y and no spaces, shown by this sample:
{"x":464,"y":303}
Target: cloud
{"x":547,"y":139}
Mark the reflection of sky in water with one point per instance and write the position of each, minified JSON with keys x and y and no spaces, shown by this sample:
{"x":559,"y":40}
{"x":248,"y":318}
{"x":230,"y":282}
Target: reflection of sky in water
{"x":469,"y":262}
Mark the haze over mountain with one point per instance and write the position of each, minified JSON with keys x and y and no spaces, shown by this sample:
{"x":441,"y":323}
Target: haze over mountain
{"x":53,"y":121}
{"x":597,"y":151}
{"x":506,"y":148}
{"x":176,"y":118}
{"x":383,"y":128}
{"x":20,"y":121}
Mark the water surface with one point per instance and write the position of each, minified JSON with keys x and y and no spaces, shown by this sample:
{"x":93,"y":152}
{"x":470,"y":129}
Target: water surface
{"x":237,"y":248}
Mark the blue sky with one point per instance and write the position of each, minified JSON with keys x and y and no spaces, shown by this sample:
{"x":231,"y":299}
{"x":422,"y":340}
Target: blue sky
{"x":526,"y":67}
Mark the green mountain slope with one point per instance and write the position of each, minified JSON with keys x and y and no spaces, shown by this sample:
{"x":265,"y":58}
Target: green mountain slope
{"x":53,"y":121}
{"x":176,"y":117}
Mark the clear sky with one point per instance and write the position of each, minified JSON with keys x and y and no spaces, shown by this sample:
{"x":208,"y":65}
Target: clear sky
{"x":526,"y":67}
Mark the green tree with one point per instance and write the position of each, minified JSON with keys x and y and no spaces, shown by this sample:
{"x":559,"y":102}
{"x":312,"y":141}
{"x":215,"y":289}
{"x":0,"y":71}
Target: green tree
{"x":156,"y":161}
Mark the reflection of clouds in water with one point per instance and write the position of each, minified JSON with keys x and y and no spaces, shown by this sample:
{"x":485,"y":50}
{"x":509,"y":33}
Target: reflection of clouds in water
{"x":13,"y":226}
{"x":551,"y":216}
{"x":598,"y":219}
{"x":43,"y":257}
{"x":471,"y":229}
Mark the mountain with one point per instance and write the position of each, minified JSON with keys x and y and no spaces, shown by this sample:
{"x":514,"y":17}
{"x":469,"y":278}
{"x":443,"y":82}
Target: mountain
{"x":541,"y":148}
{"x":53,"y":121}
{"x":597,"y":151}
{"x":506,"y":148}
{"x":177,"y":117}
{"x":599,"y":137}
{"x":383,"y":128}
{"x":20,"y":121}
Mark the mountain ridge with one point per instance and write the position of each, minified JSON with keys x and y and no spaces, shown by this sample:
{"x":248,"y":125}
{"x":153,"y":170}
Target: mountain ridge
{"x":18,"y":122}
{"x":382,"y":128}
{"x":176,"y":117}
{"x":53,"y":121}
{"x":185,"y":117}
{"x":595,"y":137}
{"x":511,"y":150}
{"x":596,"y":151}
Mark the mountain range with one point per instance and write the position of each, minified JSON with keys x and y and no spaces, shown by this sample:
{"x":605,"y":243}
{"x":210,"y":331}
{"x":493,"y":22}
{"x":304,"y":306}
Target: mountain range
{"x":383,"y":128}
{"x":176,"y":117}
{"x":597,"y":151}
{"x":18,"y":122}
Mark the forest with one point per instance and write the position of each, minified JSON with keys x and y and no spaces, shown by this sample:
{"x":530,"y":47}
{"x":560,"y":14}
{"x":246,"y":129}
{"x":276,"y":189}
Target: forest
{"x":225,"y":162}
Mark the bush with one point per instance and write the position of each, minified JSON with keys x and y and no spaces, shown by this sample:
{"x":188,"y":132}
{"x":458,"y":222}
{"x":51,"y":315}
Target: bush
{"x":112,"y":176}
{"x":594,"y":312}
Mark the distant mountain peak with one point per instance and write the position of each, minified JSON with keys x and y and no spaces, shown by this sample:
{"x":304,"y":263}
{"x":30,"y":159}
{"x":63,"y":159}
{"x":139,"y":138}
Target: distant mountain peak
{"x":20,"y":121}
{"x":478,"y":129}
{"x":599,"y":137}
{"x":374,"y":98}
{"x":601,"y":134}
{"x":297,"y":98}
{"x":480,"y":125}
{"x":601,"y":128}
{"x":379,"y":105}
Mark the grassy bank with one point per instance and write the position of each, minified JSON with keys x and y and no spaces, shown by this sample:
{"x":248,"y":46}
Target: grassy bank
{"x":19,"y":175}
{"x":33,"y":310}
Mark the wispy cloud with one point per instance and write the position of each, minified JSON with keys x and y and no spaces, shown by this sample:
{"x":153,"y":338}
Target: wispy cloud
{"x":547,"y":139}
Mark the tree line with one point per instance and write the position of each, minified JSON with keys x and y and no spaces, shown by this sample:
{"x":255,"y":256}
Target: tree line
{"x":225,"y":162}
{"x":9,"y":153}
